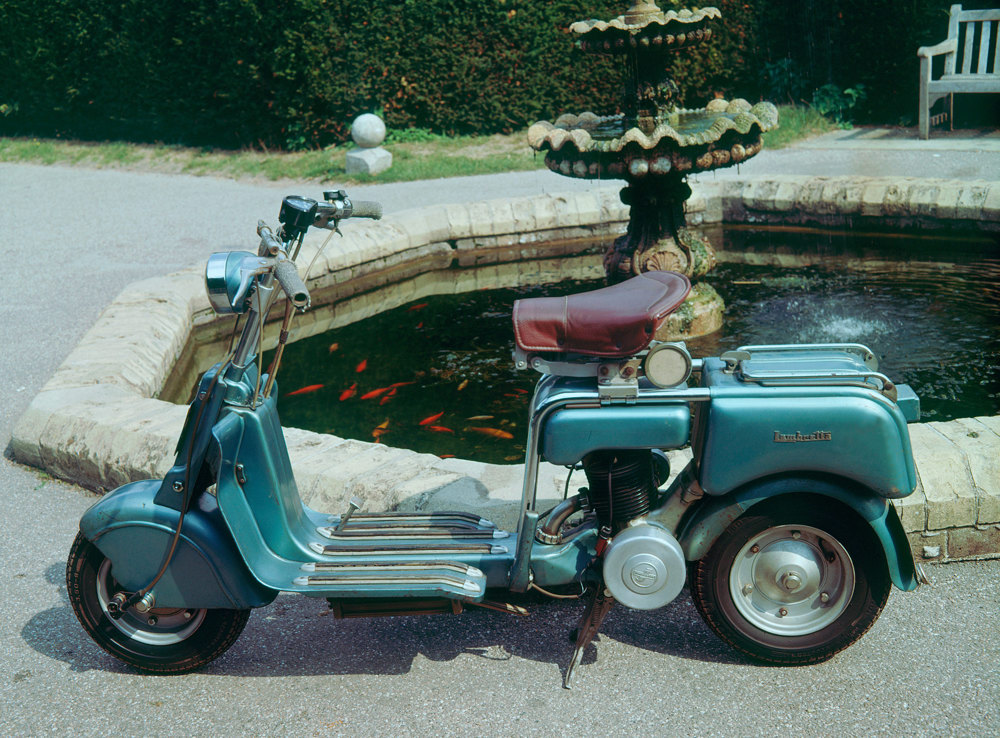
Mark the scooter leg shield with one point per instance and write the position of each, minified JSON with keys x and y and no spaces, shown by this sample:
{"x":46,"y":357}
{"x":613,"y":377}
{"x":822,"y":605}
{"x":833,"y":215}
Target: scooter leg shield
{"x":706,"y":523}
{"x":206,"y":570}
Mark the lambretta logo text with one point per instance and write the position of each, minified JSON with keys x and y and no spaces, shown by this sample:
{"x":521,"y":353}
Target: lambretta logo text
{"x":798,"y":437}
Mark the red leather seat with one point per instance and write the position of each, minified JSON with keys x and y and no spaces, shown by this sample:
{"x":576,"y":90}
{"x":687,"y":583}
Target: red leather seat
{"x":611,"y":322}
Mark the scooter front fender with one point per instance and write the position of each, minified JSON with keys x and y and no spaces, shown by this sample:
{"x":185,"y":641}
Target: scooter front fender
{"x":206,"y":570}
{"x":703,"y":526}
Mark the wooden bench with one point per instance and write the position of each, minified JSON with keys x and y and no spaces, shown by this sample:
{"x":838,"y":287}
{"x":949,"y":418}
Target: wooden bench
{"x":979,"y":62}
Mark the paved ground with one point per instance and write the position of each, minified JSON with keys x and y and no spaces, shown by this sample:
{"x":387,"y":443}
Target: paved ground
{"x":76,"y":237}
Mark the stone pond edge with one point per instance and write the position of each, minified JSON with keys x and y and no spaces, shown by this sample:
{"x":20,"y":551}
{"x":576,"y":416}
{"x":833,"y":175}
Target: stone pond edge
{"x":97,"y":423}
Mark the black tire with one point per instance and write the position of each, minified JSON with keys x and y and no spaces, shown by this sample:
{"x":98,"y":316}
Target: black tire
{"x":178,"y":641}
{"x":817,"y":581}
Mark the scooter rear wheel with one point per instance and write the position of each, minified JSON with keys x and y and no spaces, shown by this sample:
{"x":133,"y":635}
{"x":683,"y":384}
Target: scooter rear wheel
{"x":793,"y":581}
{"x":161,"y":641}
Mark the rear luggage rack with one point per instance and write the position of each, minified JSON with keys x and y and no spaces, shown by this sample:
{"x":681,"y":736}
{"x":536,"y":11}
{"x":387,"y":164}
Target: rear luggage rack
{"x":790,"y":365}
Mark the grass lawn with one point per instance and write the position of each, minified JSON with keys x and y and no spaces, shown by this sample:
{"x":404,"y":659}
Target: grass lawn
{"x":416,"y":155}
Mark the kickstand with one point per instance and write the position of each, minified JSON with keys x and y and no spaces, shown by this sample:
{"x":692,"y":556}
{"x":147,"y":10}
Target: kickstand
{"x":590,"y":623}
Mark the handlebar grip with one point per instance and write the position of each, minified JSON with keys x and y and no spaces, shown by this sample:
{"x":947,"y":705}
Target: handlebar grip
{"x":288,"y":277}
{"x":366,"y":209}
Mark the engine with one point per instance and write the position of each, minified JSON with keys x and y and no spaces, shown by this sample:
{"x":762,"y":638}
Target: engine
{"x":644,"y":565}
{"x":622,"y":484}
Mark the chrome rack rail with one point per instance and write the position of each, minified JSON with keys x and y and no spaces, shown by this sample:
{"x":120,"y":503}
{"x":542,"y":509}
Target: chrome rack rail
{"x":870,"y":379}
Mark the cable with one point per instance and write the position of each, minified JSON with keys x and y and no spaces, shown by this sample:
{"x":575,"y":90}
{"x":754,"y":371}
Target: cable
{"x":583,"y":591}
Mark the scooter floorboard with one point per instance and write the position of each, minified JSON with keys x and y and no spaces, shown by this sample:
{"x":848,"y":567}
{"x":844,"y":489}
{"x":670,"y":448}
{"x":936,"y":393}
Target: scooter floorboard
{"x":394,"y":579}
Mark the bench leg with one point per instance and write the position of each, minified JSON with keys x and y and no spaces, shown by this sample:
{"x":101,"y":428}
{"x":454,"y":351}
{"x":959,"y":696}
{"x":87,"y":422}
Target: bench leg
{"x":924,"y":102}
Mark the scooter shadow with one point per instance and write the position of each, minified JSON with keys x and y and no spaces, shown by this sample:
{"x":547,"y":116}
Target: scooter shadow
{"x":298,"y":636}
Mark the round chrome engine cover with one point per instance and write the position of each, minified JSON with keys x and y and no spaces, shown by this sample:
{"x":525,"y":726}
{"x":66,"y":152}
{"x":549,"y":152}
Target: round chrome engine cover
{"x":644,"y":567}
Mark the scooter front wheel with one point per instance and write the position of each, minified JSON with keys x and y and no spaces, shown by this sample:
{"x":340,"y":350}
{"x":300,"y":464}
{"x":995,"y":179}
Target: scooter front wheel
{"x":794,"y":581}
{"x":161,"y":641}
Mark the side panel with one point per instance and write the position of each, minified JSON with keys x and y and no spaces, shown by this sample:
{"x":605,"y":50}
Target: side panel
{"x":753,"y":431}
{"x":206,"y":569}
{"x":572,"y":433}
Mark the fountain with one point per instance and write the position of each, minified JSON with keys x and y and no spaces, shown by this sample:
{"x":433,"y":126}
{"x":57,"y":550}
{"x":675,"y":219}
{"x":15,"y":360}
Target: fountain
{"x":653,"y":144}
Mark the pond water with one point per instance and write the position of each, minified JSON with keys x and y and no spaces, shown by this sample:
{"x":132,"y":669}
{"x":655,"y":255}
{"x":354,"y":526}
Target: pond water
{"x":436,"y":375}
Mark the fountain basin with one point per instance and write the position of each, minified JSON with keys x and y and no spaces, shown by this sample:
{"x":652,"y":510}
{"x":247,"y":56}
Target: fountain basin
{"x":590,"y":146}
{"x":97,"y":422}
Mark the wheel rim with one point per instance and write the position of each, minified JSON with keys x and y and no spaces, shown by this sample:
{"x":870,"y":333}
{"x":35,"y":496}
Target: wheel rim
{"x":792,"y":580}
{"x":169,"y":626}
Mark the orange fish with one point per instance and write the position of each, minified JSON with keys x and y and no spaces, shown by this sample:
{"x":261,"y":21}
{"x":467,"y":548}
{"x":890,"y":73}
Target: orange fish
{"x":399,"y":384}
{"x":431,"y":418}
{"x":305,"y":390}
{"x":349,"y":392}
{"x":420,"y":325}
{"x":380,"y":430}
{"x":419,"y":306}
{"x":374,"y":393}
{"x":362,"y":366}
{"x":441,"y":429}
{"x":446,"y":456}
{"x":520,"y":391}
{"x":333,"y":347}
{"x":495,"y":432}
{"x":462,"y":385}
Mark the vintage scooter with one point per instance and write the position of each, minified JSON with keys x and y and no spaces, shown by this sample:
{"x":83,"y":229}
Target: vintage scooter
{"x":781,"y":523}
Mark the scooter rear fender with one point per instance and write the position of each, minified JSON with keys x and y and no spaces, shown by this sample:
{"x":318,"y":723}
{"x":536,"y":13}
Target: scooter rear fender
{"x":206,"y":570}
{"x":702,"y":527}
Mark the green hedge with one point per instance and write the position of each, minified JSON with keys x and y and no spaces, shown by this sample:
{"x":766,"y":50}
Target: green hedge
{"x":293,"y":74}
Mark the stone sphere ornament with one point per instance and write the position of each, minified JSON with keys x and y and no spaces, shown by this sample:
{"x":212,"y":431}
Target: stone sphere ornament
{"x":368,"y":131}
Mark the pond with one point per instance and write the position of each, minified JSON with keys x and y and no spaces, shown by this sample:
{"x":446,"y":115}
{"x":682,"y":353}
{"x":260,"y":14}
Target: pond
{"x":436,"y":375}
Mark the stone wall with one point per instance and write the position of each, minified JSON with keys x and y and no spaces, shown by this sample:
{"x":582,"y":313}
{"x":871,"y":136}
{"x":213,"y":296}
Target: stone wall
{"x":98,"y":423}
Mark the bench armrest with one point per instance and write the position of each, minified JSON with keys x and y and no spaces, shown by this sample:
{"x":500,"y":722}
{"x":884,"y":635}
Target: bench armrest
{"x":945,"y":47}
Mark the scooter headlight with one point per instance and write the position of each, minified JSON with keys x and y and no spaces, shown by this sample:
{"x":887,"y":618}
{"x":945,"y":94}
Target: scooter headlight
{"x":227,"y":280}
{"x":667,"y":365}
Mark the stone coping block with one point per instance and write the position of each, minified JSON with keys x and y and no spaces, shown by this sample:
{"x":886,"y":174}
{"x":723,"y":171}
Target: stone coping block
{"x":97,"y":421}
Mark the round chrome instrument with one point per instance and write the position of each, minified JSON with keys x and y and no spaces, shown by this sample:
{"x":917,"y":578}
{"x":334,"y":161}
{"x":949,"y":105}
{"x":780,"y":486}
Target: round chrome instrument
{"x":667,"y":365}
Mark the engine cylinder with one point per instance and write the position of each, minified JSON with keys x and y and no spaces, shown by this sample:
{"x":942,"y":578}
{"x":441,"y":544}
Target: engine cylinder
{"x":622,"y":484}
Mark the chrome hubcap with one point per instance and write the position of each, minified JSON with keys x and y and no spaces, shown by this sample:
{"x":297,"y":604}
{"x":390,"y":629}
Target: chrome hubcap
{"x":792,"y":580}
{"x":161,"y":626}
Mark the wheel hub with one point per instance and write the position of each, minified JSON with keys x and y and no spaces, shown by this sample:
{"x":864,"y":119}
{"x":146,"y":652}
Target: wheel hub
{"x":161,"y":626}
{"x":792,"y":580}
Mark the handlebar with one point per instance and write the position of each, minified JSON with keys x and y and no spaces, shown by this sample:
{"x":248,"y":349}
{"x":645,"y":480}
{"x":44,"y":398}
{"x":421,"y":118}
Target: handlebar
{"x":288,"y":277}
{"x":367,"y":209}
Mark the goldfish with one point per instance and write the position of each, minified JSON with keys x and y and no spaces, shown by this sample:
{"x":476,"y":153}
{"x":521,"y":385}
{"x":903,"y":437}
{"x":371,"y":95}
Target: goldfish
{"x":419,"y":306}
{"x":374,"y":393}
{"x":399,"y":384}
{"x":441,"y":429}
{"x":446,"y":456}
{"x":431,"y":418}
{"x":380,"y":430}
{"x":349,"y":392}
{"x":420,"y":325}
{"x":333,"y":347}
{"x":305,"y":390}
{"x":520,"y":391}
{"x":494,"y":432}
{"x":462,"y":385}
{"x":480,"y":417}
{"x":362,"y":366}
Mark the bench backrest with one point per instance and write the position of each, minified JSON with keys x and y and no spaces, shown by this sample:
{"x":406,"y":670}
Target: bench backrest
{"x":974,"y":25}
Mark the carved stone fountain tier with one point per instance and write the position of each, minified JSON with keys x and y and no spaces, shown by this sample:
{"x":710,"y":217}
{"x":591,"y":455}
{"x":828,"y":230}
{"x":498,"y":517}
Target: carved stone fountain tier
{"x":653,"y":144}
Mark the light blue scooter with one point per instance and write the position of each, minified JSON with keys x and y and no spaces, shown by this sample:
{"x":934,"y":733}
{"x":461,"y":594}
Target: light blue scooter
{"x":781,"y":523}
